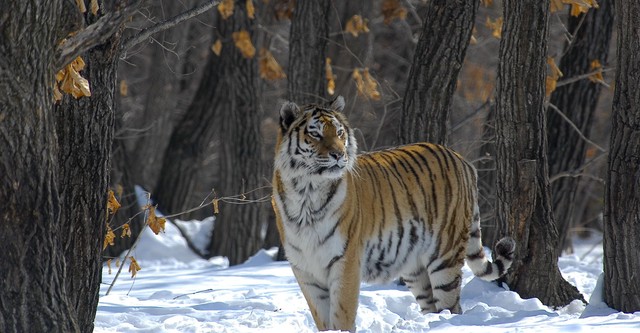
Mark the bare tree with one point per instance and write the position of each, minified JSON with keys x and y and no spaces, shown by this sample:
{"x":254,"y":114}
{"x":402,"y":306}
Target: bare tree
{"x":622,"y":192}
{"x":307,"y":51}
{"x":577,"y":101}
{"x":445,"y":35}
{"x":523,"y":202}
{"x":55,"y":164}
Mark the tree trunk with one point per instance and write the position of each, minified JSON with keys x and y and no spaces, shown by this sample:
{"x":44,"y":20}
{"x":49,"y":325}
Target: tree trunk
{"x":578,"y":101}
{"x":307,"y":51}
{"x":446,"y":32}
{"x":40,"y":269}
{"x":622,"y":192}
{"x":85,"y":134}
{"x":239,"y":230}
{"x":523,"y":205}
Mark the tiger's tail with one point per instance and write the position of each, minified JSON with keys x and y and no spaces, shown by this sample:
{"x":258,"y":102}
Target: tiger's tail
{"x":476,"y":259}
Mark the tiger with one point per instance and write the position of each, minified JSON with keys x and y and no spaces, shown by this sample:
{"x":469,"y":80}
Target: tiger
{"x":409,"y":212}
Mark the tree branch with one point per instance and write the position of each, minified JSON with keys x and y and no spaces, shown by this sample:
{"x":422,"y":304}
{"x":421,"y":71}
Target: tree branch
{"x":93,"y":35}
{"x":561,"y":114}
{"x":170,"y":23}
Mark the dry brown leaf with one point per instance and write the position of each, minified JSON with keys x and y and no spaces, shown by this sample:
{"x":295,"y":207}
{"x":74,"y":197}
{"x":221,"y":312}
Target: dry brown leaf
{"x":371,"y":86}
{"x":556,"y":5}
{"x":225,"y":8}
{"x":356,"y":25}
{"x":126,"y":231}
{"x":581,"y":6}
{"x":331,"y":78}
{"x":551,"y":80}
{"x":284,"y":9}
{"x":356,"y":76}
{"x":596,"y":66}
{"x":366,"y":85}
{"x":81,"y":5}
{"x":124,"y":88}
{"x":216,"y":206}
{"x":133,"y":266}
{"x":391,"y":10}
{"x":108,"y":238}
{"x":57,"y":95}
{"x":487,"y":3}
{"x":550,"y":85}
{"x":251,"y":9}
{"x":156,"y":224}
{"x":242,"y":40}
{"x":94,"y":7}
{"x":71,"y":82}
{"x":555,"y":70}
{"x":217,"y":47}
{"x":495,"y":26}
{"x":112,"y":203}
{"x":268,"y":67}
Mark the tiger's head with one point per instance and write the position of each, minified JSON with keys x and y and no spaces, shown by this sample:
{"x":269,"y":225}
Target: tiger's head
{"x":315,"y":141}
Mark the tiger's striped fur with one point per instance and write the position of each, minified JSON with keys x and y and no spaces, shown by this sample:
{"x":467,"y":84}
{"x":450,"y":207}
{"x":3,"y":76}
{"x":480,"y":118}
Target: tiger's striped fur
{"x":407,"y":212}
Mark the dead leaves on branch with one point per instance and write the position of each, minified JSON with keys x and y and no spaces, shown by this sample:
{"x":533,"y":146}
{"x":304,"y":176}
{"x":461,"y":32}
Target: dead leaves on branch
{"x":577,"y":6}
{"x":331,"y":78}
{"x":356,"y":25}
{"x":495,"y":26}
{"x":69,"y":80}
{"x":268,"y":67}
{"x":155,"y":223}
{"x":133,"y":266}
{"x":393,"y":10}
{"x":242,"y":41}
{"x":226,"y":8}
{"x":552,"y":77}
{"x":366,"y":85}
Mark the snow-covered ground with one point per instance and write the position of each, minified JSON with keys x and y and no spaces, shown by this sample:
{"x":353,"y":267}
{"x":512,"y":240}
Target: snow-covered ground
{"x":177,"y":292}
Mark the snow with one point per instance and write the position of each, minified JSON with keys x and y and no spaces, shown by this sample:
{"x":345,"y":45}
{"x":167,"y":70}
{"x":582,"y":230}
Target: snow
{"x":176,"y":291}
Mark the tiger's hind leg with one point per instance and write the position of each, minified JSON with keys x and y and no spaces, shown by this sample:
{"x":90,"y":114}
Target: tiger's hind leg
{"x":446,"y":278}
{"x":419,"y":284}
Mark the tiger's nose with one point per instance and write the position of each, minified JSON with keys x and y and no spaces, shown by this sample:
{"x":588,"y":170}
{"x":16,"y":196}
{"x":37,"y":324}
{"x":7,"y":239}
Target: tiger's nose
{"x":337,"y":155}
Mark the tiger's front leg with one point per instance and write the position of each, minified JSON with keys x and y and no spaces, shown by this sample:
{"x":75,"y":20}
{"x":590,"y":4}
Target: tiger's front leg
{"x":316,"y":293}
{"x":344,"y":287}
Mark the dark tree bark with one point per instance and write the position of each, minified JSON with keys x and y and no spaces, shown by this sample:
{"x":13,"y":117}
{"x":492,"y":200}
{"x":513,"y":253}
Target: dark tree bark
{"x":238,"y":231}
{"x":307,"y":52}
{"x":33,"y":295}
{"x":622,"y":192}
{"x":85,"y":134}
{"x":54,"y":168}
{"x":523,"y":205}
{"x":578,"y":101}
{"x":437,"y":61}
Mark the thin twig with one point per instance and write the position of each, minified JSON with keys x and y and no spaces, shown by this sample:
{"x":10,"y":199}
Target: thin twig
{"x":170,"y":23}
{"x":584,"y":76}
{"x":561,"y":114}
{"x":115,"y":278}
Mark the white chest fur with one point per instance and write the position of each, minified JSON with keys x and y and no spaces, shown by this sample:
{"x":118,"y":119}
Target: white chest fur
{"x":310,"y":218}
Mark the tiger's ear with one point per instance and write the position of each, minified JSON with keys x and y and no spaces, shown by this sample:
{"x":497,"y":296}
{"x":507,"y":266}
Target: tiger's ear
{"x":288,"y":113}
{"x":338,"y":104}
